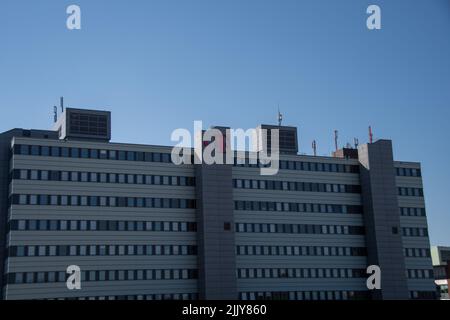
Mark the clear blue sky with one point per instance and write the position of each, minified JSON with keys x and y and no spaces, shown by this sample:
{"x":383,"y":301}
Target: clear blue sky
{"x":160,"y":65}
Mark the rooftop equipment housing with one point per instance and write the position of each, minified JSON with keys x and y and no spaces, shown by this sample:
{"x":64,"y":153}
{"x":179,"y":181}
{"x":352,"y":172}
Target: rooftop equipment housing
{"x":288,"y":142}
{"x":84,"y":124}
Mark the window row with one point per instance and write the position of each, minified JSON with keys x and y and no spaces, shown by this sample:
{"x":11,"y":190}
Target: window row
{"x":417,"y":252}
{"x":303,"y":166}
{"x":415,"y":232}
{"x":155,"y":296}
{"x":101,"y":225}
{"x":295,"y":186}
{"x":68,"y":152}
{"x":305,"y":295}
{"x":440,"y":272}
{"x":102,"y":201}
{"x":85,"y":153}
{"x":300,"y":250}
{"x":297,"y":207}
{"x":100,"y":250}
{"x":419,"y":274}
{"x":103,"y":275}
{"x":413,"y":212}
{"x":76,"y":176}
{"x":307,"y":273}
{"x":410,"y":192}
{"x":423,"y":295}
{"x":408,"y":172}
{"x":299,"y":228}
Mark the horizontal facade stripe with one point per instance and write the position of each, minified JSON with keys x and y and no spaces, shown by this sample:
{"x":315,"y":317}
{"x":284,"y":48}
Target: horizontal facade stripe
{"x":296,"y":207}
{"x":289,"y":273}
{"x":101,"y":225}
{"x":101,"y":201}
{"x":103,"y":275}
{"x":102,"y":177}
{"x":281,"y":250}
{"x":299,"y":228}
{"x":100,"y":250}
{"x":297,"y":186}
{"x":123,"y":155}
{"x":305,"y":295}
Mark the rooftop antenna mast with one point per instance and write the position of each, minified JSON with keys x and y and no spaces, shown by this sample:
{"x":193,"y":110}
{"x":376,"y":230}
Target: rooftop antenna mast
{"x":55,"y":114}
{"x":356,"y":142}
{"x":314,"y":147}
{"x":370,"y":134}
{"x":280,"y":117}
{"x":61,"y":103}
{"x":336,"y":139}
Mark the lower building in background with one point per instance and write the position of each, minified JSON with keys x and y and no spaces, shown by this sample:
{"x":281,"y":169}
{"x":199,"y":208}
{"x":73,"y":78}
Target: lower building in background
{"x":441,"y":264}
{"x":141,"y":227}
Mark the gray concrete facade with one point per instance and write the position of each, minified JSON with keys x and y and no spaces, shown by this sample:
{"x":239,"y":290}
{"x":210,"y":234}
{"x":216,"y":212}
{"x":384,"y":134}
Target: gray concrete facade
{"x":120,"y":288}
{"x":216,"y":238}
{"x":5,"y":158}
{"x":382,"y":218}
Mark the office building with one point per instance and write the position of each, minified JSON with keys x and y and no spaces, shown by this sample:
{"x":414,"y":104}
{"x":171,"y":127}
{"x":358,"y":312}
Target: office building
{"x":440,"y":256}
{"x":141,"y":227}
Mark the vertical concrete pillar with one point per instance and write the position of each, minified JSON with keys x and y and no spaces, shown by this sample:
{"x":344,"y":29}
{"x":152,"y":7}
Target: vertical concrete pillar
{"x":216,"y":243}
{"x":382,"y":218}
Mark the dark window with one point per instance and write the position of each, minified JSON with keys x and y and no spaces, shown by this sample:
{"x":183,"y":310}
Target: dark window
{"x":122,"y":155}
{"x":131,"y":156}
{"x":84,"y":153}
{"x":121,"y":201}
{"x":93,"y":201}
{"x":34,"y":150}
{"x":74,"y":153}
{"x":148,"y":157}
{"x":131,"y":202}
{"x":140,"y":156}
{"x":55,"y":151}
{"x":166,"y":157}
{"x":45,"y":151}
{"x":102,"y":225}
{"x":24,"y":150}
{"x":93,"y":154}
{"x":157,"y":157}
{"x":64,"y":152}
{"x":112,"y":154}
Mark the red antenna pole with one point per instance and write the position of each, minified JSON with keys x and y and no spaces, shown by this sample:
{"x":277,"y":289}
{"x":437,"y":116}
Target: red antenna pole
{"x":370,"y":134}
